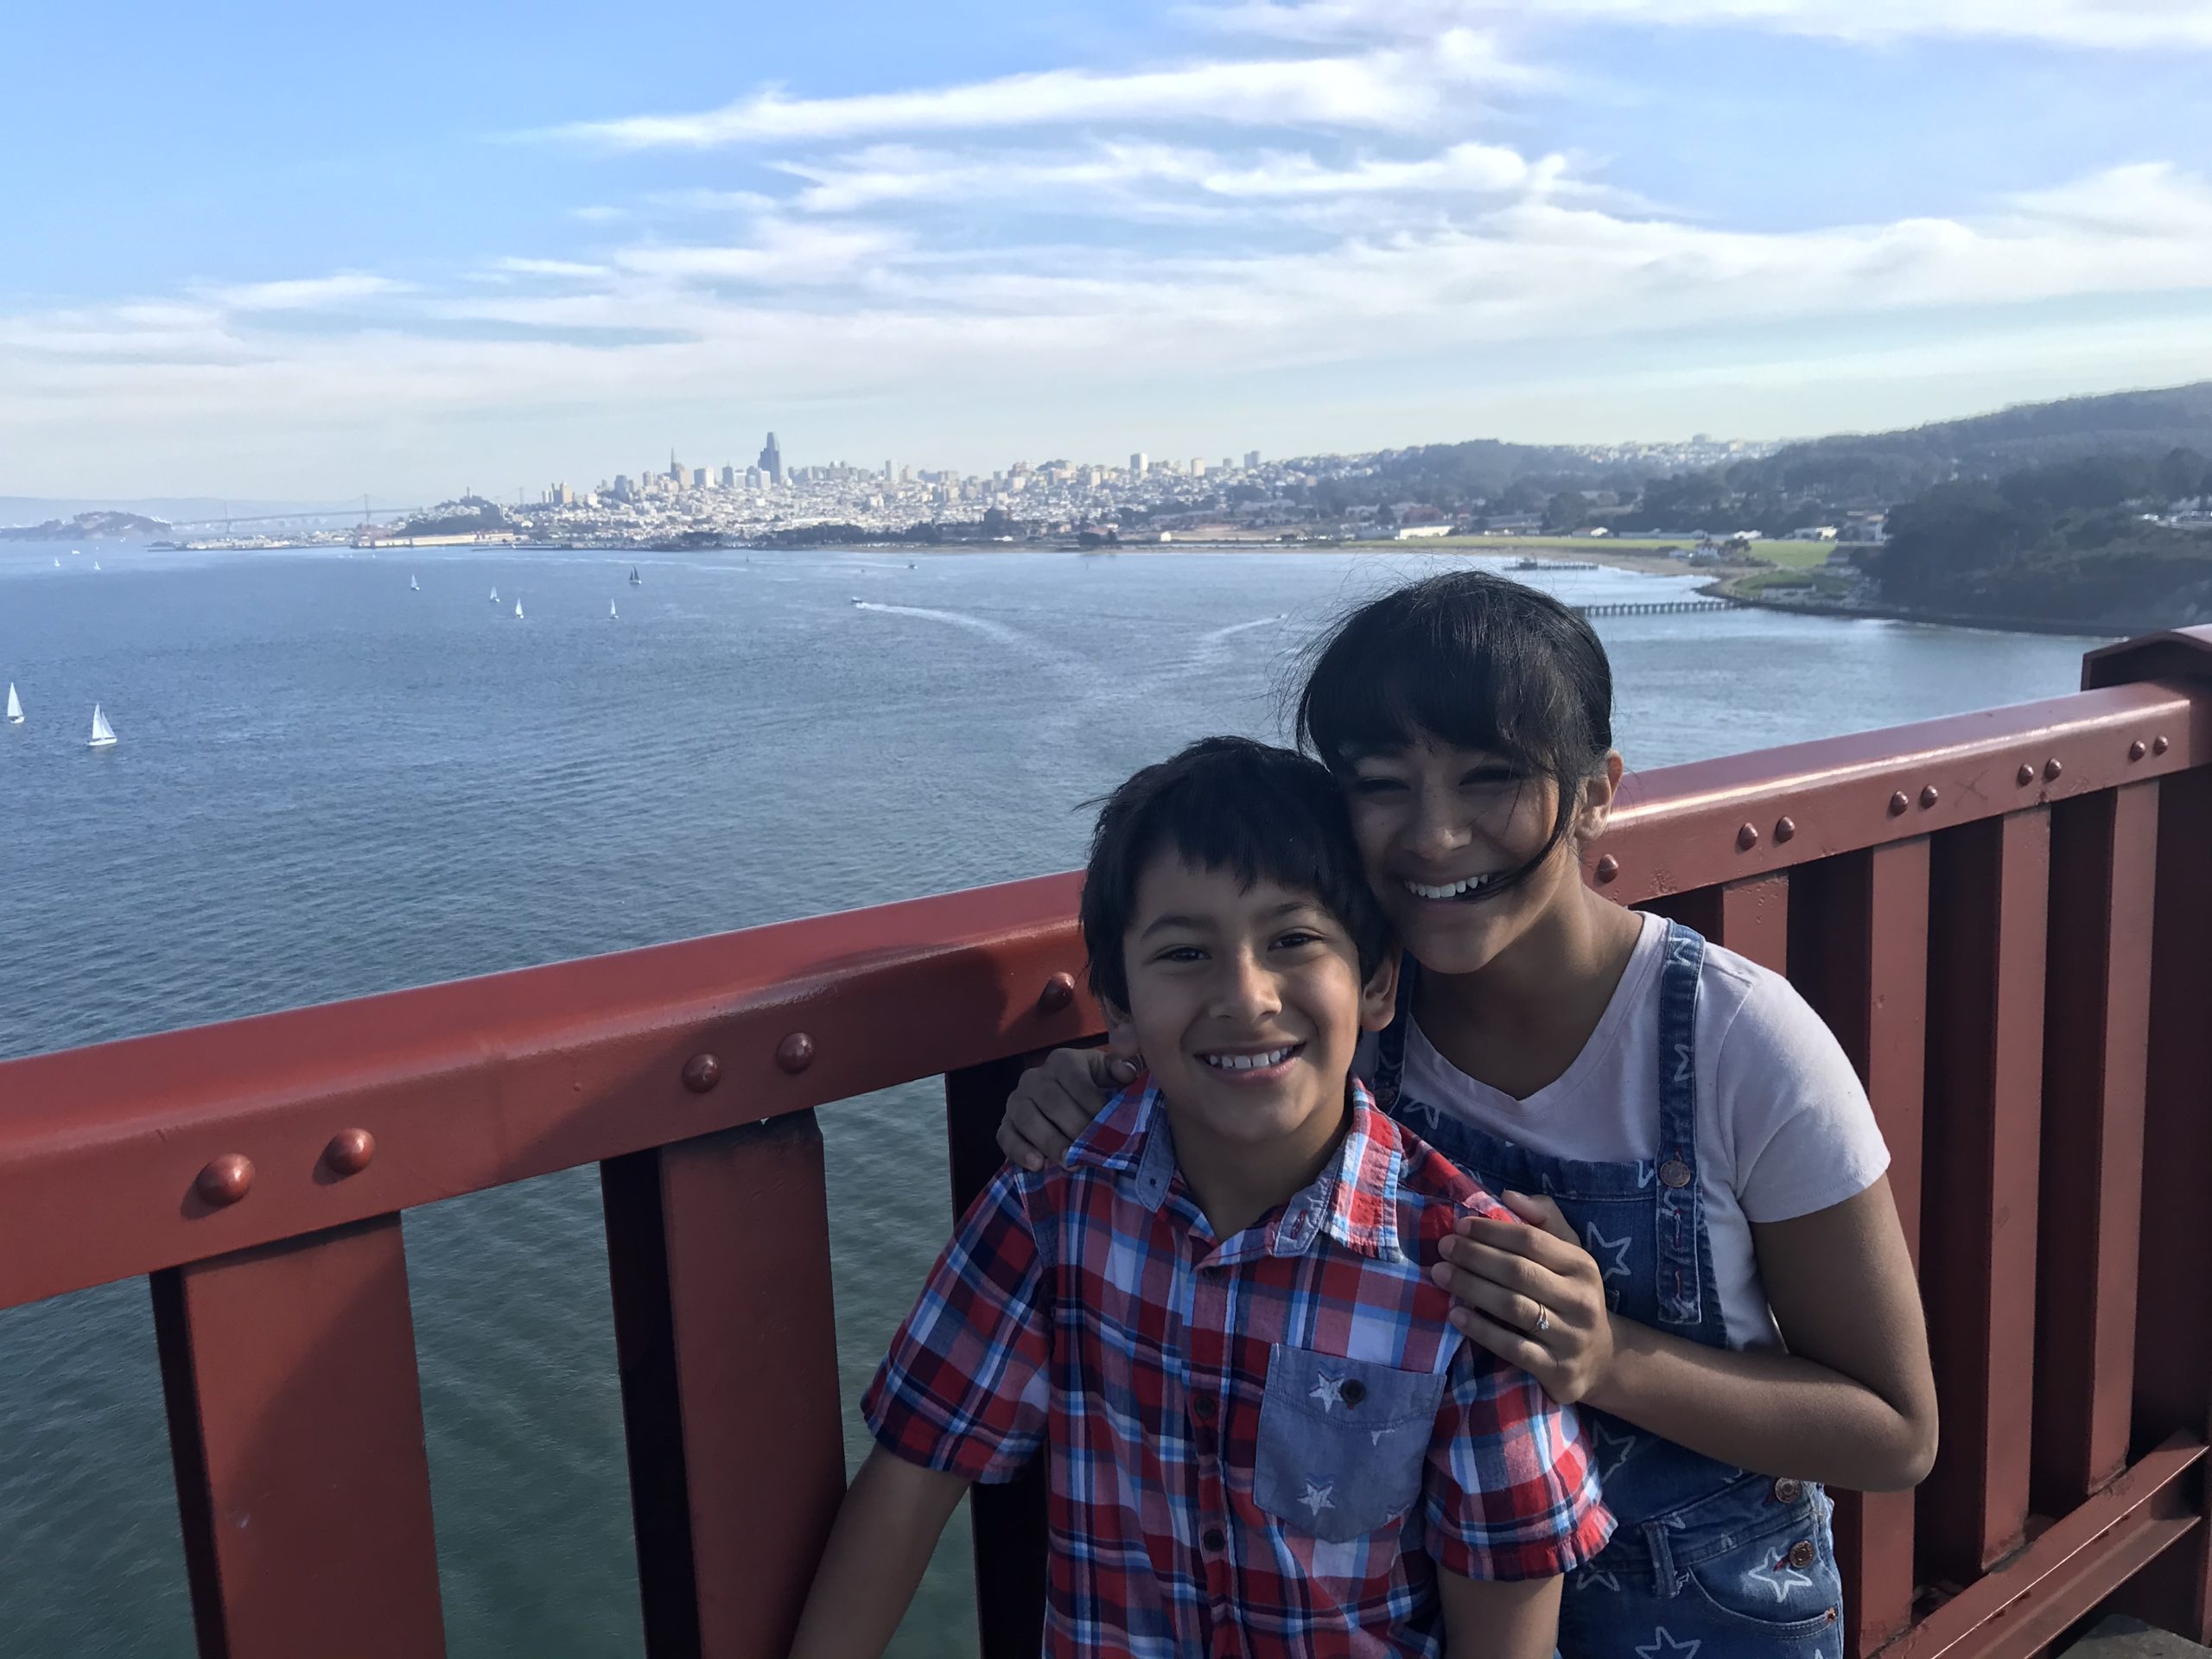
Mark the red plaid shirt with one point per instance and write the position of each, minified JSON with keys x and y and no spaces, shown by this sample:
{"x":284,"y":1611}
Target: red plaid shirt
{"x":1264,"y":1445}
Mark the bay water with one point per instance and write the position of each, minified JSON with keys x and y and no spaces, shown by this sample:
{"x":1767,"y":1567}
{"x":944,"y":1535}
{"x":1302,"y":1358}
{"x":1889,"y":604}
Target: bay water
{"x":329,"y":784}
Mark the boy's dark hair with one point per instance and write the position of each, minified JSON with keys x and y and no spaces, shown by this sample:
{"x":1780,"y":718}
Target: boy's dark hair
{"x":1474,"y":660}
{"x":1226,"y":803}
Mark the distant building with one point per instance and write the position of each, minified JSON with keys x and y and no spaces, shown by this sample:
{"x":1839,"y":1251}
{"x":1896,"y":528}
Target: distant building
{"x":675,"y":470}
{"x":771,"y":461}
{"x":1812,"y":533}
{"x":1251,"y":460}
{"x":1198,"y":467}
{"x":1416,"y":532}
{"x":1137,"y":464}
{"x":623,"y":489}
{"x":698,"y":478}
{"x":729,"y":478}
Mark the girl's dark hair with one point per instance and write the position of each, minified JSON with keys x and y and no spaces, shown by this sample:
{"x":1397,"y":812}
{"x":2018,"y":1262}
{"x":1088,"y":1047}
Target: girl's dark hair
{"x":1473,"y":660}
{"x":1226,"y":803}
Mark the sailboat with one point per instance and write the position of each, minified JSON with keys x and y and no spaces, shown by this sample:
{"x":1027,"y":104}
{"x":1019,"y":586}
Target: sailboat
{"x":15,"y":706}
{"x":413,"y":586}
{"x":518,"y":607}
{"x":96,"y":564}
{"x":611,"y":614}
{"x":495,"y":596}
{"x":103,"y":733}
{"x":636,"y":580}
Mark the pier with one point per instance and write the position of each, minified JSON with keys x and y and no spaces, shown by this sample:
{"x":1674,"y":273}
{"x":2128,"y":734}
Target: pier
{"x":2005,"y":917}
{"x":1655,"y":607}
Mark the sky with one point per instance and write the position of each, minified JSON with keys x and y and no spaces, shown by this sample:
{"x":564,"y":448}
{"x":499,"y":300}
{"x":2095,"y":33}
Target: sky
{"x":314,"y":252}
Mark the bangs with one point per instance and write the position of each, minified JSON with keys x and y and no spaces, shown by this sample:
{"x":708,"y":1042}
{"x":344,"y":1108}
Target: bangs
{"x":1467,"y":659}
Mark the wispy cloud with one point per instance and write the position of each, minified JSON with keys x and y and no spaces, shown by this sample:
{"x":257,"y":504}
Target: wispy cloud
{"x":1391,"y":90}
{"x":518,"y":267}
{"x":2116,"y":25}
{"x":307,"y":293}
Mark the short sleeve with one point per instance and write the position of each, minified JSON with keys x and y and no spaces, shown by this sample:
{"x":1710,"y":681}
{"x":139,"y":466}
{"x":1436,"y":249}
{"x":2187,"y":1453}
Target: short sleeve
{"x":1511,"y":1490}
{"x":1805,"y":1135}
{"x":965,"y":1387}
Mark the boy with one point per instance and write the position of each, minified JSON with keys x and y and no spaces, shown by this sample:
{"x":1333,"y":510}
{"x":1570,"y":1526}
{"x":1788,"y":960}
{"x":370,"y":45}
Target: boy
{"x":1266,"y":1437}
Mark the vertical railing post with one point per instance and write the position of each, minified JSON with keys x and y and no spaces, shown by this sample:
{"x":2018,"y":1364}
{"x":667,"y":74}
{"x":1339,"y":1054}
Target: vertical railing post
{"x":718,"y":1249}
{"x":1009,"y":1520}
{"x":1989,"y":889}
{"x":1860,"y":959}
{"x":295,"y":1425}
{"x":2173,"y":1333}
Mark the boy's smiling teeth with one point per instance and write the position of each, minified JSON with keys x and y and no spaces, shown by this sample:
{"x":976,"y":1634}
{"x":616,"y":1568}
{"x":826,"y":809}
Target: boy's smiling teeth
{"x":1257,"y":1062}
{"x":1451,"y":889}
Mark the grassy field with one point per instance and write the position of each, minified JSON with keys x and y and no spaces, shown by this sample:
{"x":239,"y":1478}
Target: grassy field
{"x":1590,"y":545}
{"x":1793,"y":555}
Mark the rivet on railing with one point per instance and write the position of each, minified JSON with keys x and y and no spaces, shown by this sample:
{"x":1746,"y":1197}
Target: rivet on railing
{"x":1059,"y":992}
{"x":1747,"y":836}
{"x":225,"y":1180}
{"x":2050,"y":771}
{"x":1898,"y":803}
{"x":1608,"y":868}
{"x":702,"y":1072}
{"x":349,"y":1151}
{"x":796,"y":1053}
{"x":2026,"y":776}
{"x":1784,"y":828}
{"x":2158,"y":744}
{"x":1928,"y":798}
{"x":2136,"y":750}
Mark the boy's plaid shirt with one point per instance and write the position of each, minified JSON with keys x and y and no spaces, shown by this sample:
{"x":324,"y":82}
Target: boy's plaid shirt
{"x":1259,"y":1446}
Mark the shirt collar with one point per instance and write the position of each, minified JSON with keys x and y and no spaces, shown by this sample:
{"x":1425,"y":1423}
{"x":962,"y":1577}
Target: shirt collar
{"x":1354,"y":1200}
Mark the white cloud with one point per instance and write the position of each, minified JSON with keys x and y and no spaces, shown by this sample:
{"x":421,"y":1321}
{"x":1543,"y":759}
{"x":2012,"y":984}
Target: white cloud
{"x":1391,"y":91}
{"x":2119,"y":25}
{"x":779,"y":252}
{"x":307,"y":293}
{"x":549,"y":268}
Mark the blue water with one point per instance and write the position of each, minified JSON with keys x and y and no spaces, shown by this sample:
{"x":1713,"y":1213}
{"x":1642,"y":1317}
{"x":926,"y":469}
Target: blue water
{"x":327,"y":784}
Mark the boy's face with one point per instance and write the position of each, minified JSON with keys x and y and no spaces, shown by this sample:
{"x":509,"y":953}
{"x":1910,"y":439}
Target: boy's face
{"x":1245,"y":1002}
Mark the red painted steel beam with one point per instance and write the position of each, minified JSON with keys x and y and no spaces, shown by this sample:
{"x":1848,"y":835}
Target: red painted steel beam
{"x":1755,"y":919}
{"x":1859,"y":951}
{"x":725,"y":1330}
{"x":2025,"y":1606}
{"x":488,"y":1081}
{"x":1988,"y":887}
{"x":2103,"y":857}
{"x":295,"y":1426}
{"x":1008,"y":1519}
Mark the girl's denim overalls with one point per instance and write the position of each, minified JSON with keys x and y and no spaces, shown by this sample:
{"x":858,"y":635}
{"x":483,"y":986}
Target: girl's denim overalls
{"x":1708,"y":1562}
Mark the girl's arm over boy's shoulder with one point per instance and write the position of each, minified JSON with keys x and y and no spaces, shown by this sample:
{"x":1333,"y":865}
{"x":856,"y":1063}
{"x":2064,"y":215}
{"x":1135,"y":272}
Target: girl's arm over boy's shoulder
{"x":1506,"y":1618}
{"x":886,"y":1529}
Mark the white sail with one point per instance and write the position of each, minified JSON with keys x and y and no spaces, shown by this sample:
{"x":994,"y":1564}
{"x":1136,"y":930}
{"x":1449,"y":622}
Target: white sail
{"x":413,"y":586}
{"x":96,"y":564}
{"x":495,"y":596}
{"x":518,"y":607}
{"x":103,"y":733}
{"x":15,"y":706}
{"x":611,"y":614}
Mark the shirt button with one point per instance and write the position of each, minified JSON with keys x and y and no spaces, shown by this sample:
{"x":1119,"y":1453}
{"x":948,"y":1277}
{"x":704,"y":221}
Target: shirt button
{"x":1353,"y":1392}
{"x":1203,"y":1406}
{"x":1215,"y":1540}
{"x":1801,"y":1553}
{"x":1787,"y":1490}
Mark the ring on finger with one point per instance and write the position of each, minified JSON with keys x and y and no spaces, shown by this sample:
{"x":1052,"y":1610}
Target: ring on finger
{"x":1543,"y":1320}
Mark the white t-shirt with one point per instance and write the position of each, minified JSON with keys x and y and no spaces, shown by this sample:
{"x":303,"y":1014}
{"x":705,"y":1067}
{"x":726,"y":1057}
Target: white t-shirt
{"x":1783,"y":1127}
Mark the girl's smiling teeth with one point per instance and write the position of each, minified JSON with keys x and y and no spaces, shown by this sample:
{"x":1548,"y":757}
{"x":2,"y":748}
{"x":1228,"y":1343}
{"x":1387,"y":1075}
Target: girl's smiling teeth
{"x":1461,"y":889}
{"x":1257,"y":1060}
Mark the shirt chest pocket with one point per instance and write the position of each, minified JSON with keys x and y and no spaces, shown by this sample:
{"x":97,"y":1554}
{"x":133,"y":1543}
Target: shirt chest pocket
{"x":1341,"y":1442}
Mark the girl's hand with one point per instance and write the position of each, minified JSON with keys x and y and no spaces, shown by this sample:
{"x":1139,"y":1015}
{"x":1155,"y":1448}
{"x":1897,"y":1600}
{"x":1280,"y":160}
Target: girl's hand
{"x":1055,"y":1102}
{"x":1531,"y":1294}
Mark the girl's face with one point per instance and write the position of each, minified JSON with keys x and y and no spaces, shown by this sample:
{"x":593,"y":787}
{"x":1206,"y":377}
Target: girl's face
{"x":1436,"y":822}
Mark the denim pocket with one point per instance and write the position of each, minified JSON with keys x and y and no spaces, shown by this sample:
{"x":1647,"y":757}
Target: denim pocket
{"x":1341,"y":1442}
{"x":1782,"y":1587}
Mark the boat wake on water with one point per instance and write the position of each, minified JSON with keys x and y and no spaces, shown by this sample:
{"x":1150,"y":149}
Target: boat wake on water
{"x":1234,"y":628}
{"x":958,"y":618}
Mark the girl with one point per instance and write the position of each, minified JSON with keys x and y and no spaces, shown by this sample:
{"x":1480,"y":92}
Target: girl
{"x":1708,"y":1258}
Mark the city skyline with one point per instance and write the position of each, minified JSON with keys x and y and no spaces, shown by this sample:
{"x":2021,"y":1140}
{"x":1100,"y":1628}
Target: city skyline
{"x":1318,"y":225}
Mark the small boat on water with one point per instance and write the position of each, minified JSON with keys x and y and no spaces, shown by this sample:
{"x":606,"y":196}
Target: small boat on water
{"x":413,"y":586}
{"x":857,"y":600}
{"x":103,"y":733}
{"x":636,"y":580}
{"x":613,"y":615}
{"x":96,"y":564}
{"x":495,"y":596}
{"x":15,"y":706}
{"x":518,"y":607}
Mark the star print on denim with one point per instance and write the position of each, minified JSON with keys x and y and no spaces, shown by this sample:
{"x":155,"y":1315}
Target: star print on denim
{"x":1600,"y":1246}
{"x":1330,"y":1391}
{"x":1591,"y":1575}
{"x":1662,"y":1643}
{"x":1612,"y":1448}
{"x":1781,"y":1578}
{"x":1318,"y":1496}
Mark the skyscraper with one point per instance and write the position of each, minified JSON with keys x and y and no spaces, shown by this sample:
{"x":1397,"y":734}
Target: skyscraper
{"x":1137,"y":464}
{"x":1251,"y":460}
{"x":729,"y":478}
{"x":675,"y":470}
{"x":771,"y":461}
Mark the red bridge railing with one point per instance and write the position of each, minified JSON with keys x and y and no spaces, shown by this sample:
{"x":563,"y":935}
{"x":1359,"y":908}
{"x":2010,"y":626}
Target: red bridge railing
{"x":2006,"y":917}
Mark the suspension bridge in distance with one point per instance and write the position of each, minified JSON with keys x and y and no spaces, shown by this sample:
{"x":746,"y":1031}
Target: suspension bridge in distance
{"x":1656,"y":607}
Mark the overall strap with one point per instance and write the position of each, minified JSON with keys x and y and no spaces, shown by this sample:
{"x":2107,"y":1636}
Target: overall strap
{"x":1681,"y":1210}
{"x":1390,"y":1046}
